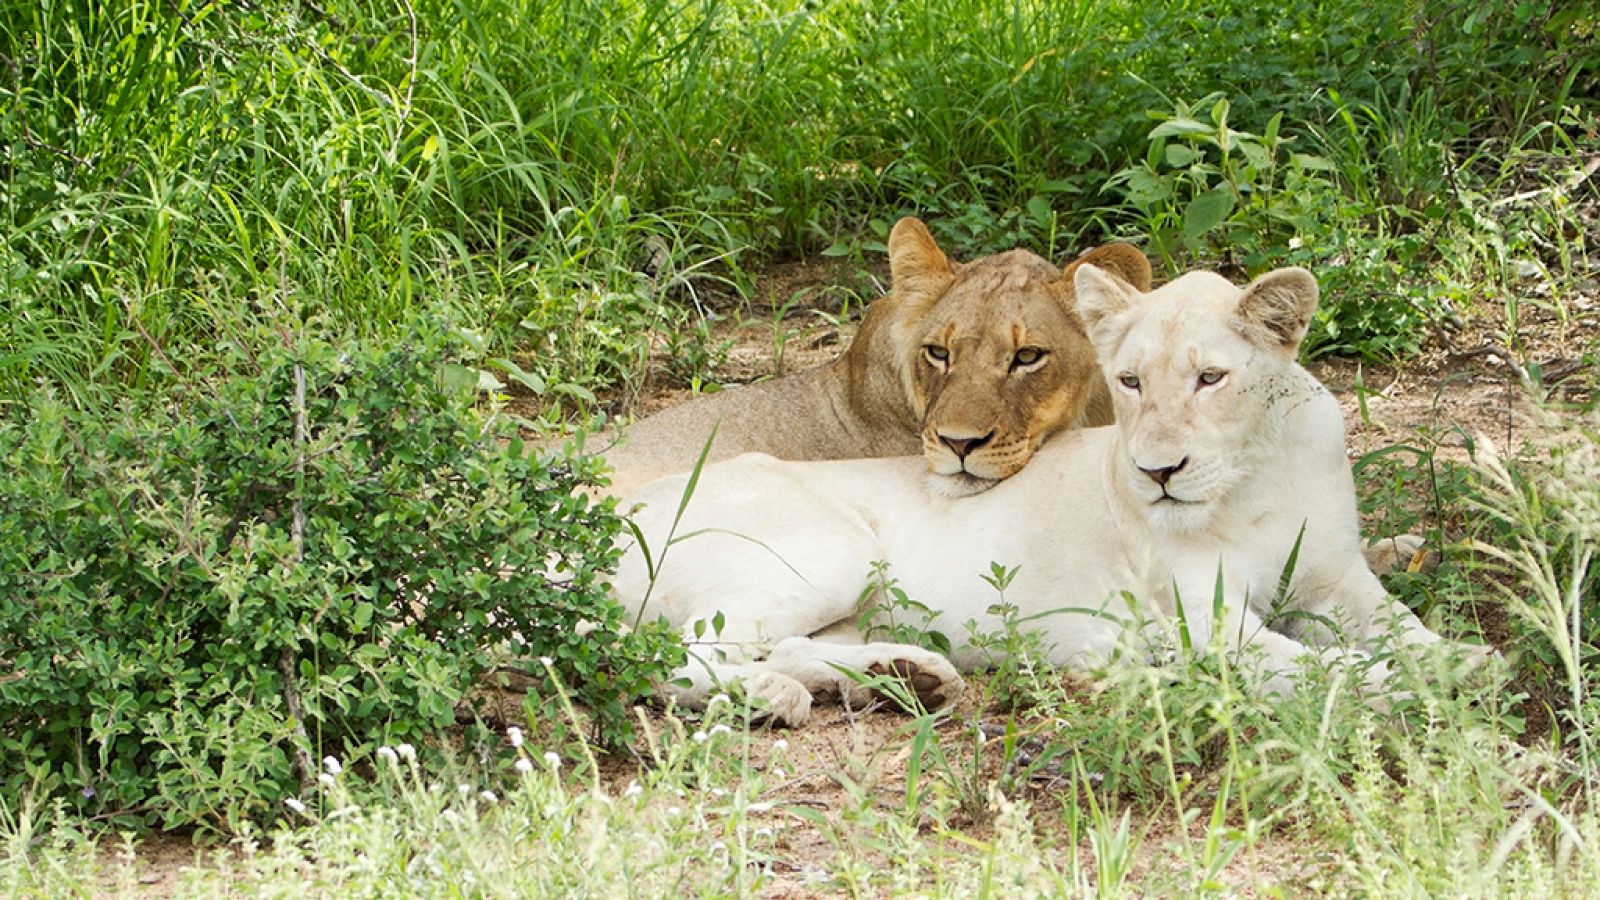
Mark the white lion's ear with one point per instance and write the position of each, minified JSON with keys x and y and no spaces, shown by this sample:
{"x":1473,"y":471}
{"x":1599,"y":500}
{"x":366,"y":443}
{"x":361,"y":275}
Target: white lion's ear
{"x":1102,"y":298}
{"x":917,"y":267}
{"x":1276,"y":309}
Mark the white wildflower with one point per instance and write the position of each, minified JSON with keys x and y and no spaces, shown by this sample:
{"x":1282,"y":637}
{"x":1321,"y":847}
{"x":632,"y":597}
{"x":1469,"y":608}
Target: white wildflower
{"x":295,"y":805}
{"x":674,"y":811}
{"x":633,"y":789}
{"x":721,"y":729}
{"x":514,"y":735}
{"x":1295,"y":243}
{"x":699,"y":737}
{"x":406,"y":751}
{"x":388,"y":754}
{"x":332,"y":765}
{"x":718,"y":698}
{"x":487,"y":796}
{"x":524,"y":765}
{"x":780,"y":745}
{"x":552,"y":760}
{"x":463,"y":789}
{"x":325,"y":779}
{"x":718,"y":793}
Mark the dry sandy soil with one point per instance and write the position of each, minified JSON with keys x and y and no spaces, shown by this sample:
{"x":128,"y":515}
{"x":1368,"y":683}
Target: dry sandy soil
{"x":1465,"y":383}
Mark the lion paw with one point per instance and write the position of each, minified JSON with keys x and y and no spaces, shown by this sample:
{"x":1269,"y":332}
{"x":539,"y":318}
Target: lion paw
{"x":1401,"y":553}
{"x":931,"y":677}
{"x":781,"y":699}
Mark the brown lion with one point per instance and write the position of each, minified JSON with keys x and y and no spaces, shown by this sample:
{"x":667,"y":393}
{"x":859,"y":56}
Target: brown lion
{"x":972,"y":365}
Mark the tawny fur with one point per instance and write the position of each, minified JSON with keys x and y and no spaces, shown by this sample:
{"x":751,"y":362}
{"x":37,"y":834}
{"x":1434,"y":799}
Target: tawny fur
{"x":884,"y":397}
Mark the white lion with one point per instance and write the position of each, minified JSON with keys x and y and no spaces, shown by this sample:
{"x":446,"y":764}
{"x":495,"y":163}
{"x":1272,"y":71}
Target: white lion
{"x":1226,"y":455}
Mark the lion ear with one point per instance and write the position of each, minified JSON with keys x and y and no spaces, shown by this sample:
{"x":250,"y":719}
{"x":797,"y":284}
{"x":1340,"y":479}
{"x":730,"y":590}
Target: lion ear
{"x":1102,"y":298}
{"x":1122,"y":260}
{"x":1275,"y":310}
{"x":917,"y":267}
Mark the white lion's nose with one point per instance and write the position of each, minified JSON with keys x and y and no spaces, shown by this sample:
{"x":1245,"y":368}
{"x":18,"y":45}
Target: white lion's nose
{"x":1164,"y":474}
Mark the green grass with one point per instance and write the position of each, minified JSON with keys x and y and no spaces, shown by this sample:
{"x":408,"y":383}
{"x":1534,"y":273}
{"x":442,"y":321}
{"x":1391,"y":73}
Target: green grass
{"x":170,"y":166}
{"x":575,"y":182}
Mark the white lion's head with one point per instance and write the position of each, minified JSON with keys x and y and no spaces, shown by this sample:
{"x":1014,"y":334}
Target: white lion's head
{"x":1197,"y":370}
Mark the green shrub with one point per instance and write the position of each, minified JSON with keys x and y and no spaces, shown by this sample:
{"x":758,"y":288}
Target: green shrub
{"x":324,"y":548}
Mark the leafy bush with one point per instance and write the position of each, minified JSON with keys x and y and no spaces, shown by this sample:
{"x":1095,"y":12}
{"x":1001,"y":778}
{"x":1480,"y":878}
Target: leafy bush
{"x":324,"y":549}
{"x":1210,"y":190}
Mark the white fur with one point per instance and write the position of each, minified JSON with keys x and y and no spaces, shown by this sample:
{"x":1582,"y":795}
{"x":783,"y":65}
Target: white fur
{"x":784,"y":550}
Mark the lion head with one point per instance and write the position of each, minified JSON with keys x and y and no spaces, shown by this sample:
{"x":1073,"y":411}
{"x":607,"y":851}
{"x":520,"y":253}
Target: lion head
{"x":1202,"y":374}
{"x":992,"y":356}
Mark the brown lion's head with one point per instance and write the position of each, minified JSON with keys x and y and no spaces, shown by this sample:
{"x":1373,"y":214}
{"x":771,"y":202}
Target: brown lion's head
{"x":993,"y":357}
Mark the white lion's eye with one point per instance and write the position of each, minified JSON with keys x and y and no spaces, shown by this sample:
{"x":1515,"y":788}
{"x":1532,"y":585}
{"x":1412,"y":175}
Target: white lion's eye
{"x":936,"y":353}
{"x":1129,"y":381}
{"x":1211,"y":377}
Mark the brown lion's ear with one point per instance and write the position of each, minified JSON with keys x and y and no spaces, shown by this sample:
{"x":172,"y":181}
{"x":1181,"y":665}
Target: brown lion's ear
{"x":1102,"y":298}
{"x":917,"y":267}
{"x":1122,"y":260}
{"x":1276,"y":309}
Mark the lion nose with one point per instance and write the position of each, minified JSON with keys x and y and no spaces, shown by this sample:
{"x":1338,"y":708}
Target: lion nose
{"x":961,"y":446}
{"x":1163,"y":475}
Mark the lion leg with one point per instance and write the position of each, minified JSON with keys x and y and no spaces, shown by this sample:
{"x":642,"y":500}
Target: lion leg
{"x":1277,"y":659}
{"x":1357,"y":604}
{"x":783,"y":683}
{"x":1376,"y":622}
{"x":731,"y":662}
{"x":823,"y":667}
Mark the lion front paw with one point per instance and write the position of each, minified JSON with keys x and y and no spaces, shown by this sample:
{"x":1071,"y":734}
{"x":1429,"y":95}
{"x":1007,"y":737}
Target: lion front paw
{"x":779,"y":698}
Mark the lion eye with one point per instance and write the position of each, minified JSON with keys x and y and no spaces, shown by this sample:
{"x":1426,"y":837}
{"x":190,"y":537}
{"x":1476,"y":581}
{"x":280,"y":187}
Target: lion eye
{"x":1212,"y":376}
{"x":936,"y":353}
{"x":1027,"y":356}
{"x":1129,"y":381}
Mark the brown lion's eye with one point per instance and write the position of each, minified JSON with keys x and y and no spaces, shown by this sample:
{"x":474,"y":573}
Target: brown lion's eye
{"x":1027,"y":356}
{"x":936,"y":353}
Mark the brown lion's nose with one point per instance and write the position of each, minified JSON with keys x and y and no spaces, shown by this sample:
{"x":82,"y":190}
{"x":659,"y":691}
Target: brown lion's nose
{"x":1163,"y":475}
{"x":962,"y":446}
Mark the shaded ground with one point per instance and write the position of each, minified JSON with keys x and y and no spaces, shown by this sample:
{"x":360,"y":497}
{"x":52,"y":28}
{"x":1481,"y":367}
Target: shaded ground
{"x":1467,"y":382}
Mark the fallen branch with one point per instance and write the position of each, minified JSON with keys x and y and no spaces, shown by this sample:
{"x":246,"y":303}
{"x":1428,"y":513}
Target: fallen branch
{"x":303,"y":761}
{"x":1572,"y":182}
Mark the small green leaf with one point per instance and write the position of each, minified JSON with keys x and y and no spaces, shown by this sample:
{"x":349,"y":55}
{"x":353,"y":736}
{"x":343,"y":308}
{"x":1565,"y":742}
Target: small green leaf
{"x":1181,"y":155}
{"x":1179,"y":127}
{"x":1039,"y":208}
{"x":1206,"y":212}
